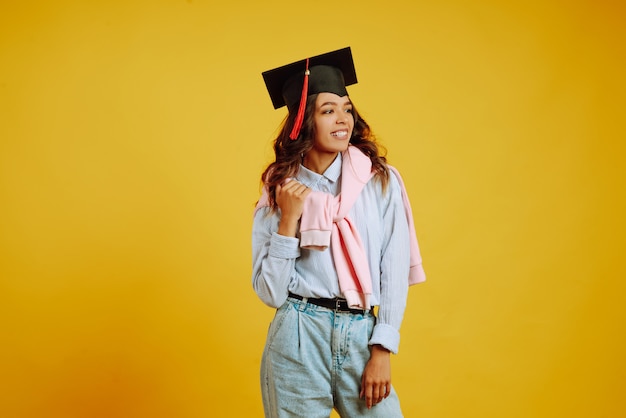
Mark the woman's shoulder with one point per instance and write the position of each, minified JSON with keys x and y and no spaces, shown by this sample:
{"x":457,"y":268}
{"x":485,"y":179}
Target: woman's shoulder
{"x":389,"y":190}
{"x":394,"y":178}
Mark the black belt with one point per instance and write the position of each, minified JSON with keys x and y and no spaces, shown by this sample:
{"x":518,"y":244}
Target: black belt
{"x":336,"y":304}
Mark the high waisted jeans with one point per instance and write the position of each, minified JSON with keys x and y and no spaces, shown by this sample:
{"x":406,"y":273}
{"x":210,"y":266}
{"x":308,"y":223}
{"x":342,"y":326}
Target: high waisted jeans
{"x":313,"y":362}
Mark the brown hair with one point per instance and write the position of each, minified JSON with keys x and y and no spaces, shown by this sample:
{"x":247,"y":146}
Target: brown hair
{"x":289,"y":152}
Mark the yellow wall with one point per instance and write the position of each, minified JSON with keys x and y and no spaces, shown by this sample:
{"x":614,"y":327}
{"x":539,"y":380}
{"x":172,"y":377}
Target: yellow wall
{"x":132,"y":137}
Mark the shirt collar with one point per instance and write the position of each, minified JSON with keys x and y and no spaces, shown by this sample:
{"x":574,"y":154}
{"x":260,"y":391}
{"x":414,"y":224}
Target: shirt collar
{"x":332,"y":173}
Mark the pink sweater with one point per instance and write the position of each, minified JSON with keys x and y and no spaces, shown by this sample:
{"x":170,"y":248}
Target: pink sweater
{"x":324,"y":220}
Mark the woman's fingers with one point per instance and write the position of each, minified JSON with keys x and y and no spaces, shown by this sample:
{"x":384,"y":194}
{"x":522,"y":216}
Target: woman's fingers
{"x":294,"y":188}
{"x":374,"y":393}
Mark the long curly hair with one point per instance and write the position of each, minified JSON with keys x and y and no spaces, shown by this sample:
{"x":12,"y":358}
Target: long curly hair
{"x":289,"y":153}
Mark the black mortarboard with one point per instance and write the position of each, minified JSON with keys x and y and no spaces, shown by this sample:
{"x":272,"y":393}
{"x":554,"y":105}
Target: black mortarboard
{"x":326,"y":73}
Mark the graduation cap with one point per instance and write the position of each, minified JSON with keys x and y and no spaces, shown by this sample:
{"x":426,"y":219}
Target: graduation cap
{"x":291,"y":84}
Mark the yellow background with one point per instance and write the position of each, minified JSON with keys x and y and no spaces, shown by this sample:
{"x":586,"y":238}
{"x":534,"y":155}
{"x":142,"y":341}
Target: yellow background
{"x":132,"y":137}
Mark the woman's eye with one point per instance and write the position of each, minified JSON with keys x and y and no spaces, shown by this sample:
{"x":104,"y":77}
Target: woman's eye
{"x":349,"y":110}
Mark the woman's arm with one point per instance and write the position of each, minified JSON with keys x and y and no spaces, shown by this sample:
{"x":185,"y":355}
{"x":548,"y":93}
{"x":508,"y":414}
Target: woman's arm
{"x":394,"y":267}
{"x":394,"y":270}
{"x":275,"y":247}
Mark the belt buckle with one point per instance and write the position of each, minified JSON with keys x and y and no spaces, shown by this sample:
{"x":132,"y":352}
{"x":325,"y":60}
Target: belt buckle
{"x":337,"y":304}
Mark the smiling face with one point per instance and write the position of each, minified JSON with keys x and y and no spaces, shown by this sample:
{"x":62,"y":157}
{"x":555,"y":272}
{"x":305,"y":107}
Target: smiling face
{"x":333,"y":124}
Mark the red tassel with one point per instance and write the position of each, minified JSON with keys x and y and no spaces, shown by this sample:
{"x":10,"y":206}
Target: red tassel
{"x":300,"y":117}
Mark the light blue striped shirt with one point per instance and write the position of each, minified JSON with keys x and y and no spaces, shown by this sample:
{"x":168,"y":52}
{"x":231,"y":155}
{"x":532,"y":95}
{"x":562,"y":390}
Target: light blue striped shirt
{"x":280,"y":266}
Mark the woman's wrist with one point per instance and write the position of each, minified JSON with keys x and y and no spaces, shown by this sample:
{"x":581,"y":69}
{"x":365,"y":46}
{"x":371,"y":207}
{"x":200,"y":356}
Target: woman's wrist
{"x":287,"y":227}
{"x":378,"y":349}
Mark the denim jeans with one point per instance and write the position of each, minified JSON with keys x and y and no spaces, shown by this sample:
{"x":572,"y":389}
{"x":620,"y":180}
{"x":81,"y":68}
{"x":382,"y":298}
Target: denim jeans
{"x":313,"y":362}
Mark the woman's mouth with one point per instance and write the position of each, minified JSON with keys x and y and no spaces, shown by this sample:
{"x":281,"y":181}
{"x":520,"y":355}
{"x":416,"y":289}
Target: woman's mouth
{"x":340,"y":134}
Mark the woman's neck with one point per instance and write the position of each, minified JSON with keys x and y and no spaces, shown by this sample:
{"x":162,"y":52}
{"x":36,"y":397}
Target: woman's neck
{"x":318,"y":162}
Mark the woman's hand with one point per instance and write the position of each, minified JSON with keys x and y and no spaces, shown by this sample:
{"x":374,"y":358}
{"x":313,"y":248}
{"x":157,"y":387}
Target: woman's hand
{"x":290,"y":199}
{"x":376,"y":379}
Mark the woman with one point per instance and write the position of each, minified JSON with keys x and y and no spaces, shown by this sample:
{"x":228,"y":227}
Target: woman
{"x":332,"y":238}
